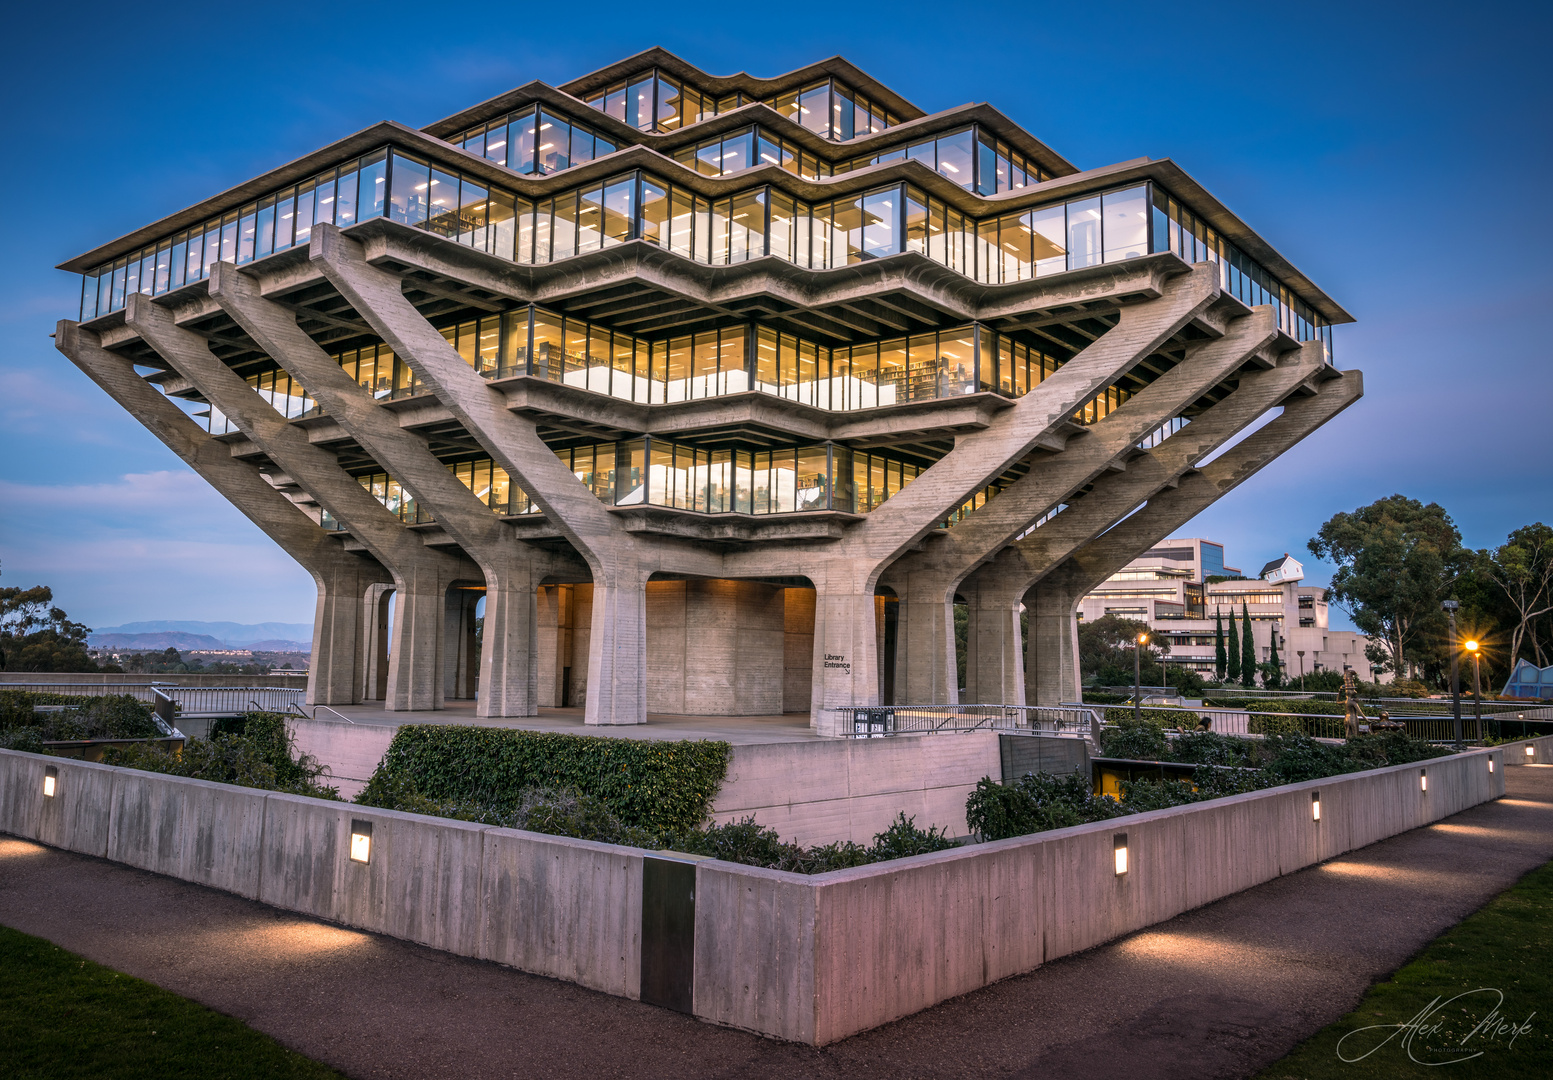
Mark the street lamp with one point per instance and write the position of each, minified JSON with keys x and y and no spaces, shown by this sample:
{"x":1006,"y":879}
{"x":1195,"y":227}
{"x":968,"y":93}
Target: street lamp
{"x":1137,"y":679}
{"x":1477,"y":685}
{"x":1450,"y":607}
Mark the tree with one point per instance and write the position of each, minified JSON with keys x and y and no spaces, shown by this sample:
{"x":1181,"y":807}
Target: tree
{"x":1105,"y":649}
{"x":1219,"y":660}
{"x":1247,"y":649}
{"x":1396,"y":560}
{"x":37,"y":636}
{"x":1522,"y":568}
{"x":1232,"y":663}
{"x":1272,"y":676}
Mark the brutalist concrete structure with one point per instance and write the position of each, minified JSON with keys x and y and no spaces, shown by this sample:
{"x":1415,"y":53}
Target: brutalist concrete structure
{"x":719,"y":391}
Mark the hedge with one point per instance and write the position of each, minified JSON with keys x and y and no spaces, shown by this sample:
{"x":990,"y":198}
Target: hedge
{"x":1170,"y":718}
{"x":100,"y":716}
{"x":666,"y":787}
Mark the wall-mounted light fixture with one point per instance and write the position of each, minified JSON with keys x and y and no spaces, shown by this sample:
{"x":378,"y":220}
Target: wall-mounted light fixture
{"x":1490,"y":764}
{"x":1423,"y":779}
{"x":361,"y":840}
{"x":1531,"y":751}
{"x":50,"y":781}
{"x":1120,"y":843}
{"x":1315,"y":806}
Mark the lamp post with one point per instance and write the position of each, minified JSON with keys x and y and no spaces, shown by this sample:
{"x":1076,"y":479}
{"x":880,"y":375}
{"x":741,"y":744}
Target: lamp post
{"x":1477,"y":687}
{"x":1450,"y":607}
{"x":1301,"y":654}
{"x":1137,"y":678}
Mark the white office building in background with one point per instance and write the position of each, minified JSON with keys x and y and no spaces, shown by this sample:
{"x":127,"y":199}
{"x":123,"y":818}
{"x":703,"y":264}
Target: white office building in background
{"x":1178,"y":586}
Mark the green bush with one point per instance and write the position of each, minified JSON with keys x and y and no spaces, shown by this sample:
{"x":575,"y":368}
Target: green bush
{"x":1164,"y":718}
{"x":662,"y":787}
{"x":1104,"y":697}
{"x":101,"y":716}
{"x":256,"y":751}
{"x":1035,"y":802}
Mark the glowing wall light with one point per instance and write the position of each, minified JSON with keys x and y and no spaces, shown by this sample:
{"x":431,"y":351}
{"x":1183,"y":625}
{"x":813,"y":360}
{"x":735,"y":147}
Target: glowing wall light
{"x":1423,"y":780}
{"x":361,"y":841}
{"x":1120,"y":844}
{"x":1531,"y":751}
{"x":50,"y":781}
{"x":1490,"y":764}
{"x":1315,"y":806}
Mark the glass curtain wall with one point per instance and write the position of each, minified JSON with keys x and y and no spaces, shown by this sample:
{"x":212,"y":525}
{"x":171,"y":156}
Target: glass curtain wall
{"x":747,"y":148}
{"x":658,"y":102}
{"x":975,"y":159}
{"x":1104,"y":228}
{"x":535,"y":142}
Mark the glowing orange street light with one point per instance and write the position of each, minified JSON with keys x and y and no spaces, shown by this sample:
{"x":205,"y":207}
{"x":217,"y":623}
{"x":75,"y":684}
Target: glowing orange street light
{"x":1137,"y":679}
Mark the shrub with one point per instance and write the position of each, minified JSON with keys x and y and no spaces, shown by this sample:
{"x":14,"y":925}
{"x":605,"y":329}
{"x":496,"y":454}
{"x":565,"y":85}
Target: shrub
{"x":101,"y":716}
{"x":662,"y":787}
{"x":1104,"y":697}
{"x":1206,"y":748}
{"x":258,"y":754}
{"x":1035,"y":802}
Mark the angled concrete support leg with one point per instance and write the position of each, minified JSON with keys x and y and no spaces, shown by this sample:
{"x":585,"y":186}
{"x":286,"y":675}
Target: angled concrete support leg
{"x":994,"y":663}
{"x":375,"y":621}
{"x":421,"y":575}
{"x":1051,"y":658}
{"x":929,"y":675}
{"x":507,"y":680}
{"x":342,"y":578}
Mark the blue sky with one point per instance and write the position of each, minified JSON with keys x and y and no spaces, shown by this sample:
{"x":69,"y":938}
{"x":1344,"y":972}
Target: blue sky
{"x":1396,"y":153}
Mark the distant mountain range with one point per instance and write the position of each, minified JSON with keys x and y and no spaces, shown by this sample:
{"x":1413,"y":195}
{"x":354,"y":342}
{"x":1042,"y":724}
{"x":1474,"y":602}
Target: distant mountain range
{"x":187,"y":635}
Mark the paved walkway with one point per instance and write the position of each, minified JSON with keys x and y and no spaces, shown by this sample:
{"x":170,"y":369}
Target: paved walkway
{"x":1217,"y":992}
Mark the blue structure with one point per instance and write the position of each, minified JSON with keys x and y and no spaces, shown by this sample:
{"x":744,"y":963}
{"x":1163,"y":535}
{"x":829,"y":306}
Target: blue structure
{"x":1529,"y":681}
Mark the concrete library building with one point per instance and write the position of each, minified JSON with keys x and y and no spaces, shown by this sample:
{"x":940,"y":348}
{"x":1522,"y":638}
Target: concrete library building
{"x":667,"y":392}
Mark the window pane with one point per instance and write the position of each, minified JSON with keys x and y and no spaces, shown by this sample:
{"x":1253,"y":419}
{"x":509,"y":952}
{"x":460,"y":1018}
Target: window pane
{"x":1048,"y":232}
{"x":814,"y":108}
{"x":766,"y":360}
{"x":843,"y":122}
{"x":472,"y":216}
{"x":709,"y":159}
{"x":655,"y":212}
{"x":442,"y":214}
{"x":954,"y":157}
{"x":639,"y":107}
{"x":747,"y":226}
{"x":548,"y":346}
{"x":554,"y":144}
{"x":731,"y":377}
{"x":264,"y":234}
{"x":782,"y":233}
{"x":619,"y":211}
{"x":670,"y":105}
{"x":503,"y":225}
{"x":737,"y":152}
{"x":1083,"y":233}
{"x":1126,"y":224}
{"x":590,"y":221}
{"x":370,"y":200}
{"x":987,"y":165}
{"x":563,"y":238}
{"x":247,"y":230}
{"x":880,"y":223}
{"x":345,"y":198}
{"x":407,"y":202}
{"x":678,"y":376}
{"x":892,"y":372}
{"x":520,"y":140}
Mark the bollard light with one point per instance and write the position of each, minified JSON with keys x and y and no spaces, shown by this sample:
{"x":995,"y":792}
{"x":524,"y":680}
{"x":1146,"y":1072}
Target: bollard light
{"x":1315,"y":806}
{"x":361,"y":840}
{"x":1423,"y":780}
{"x":50,"y":781}
{"x":1121,"y":854}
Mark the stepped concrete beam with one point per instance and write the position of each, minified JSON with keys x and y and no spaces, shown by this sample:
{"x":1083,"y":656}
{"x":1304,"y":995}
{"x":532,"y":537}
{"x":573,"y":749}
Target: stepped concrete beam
{"x":1053,"y":648}
{"x":926,"y":579}
{"x":508,"y":680}
{"x":995,"y":590}
{"x":422,"y":576}
{"x":620,"y":563}
{"x":336,"y":673}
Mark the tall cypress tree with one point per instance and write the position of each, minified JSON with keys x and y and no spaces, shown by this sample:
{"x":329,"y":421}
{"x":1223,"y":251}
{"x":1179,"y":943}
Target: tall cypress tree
{"x":1218,"y":644}
{"x":1232,"y":664}
{"x":1274,"y":677}
{"x":1247,"y":649}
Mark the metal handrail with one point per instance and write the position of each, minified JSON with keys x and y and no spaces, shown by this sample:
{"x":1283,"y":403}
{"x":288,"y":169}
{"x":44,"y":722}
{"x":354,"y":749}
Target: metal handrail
{"x":877,"y":721}
{"x":336,"y":712}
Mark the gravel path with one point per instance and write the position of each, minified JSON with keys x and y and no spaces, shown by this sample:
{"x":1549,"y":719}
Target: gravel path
{"x":1218,"y":992}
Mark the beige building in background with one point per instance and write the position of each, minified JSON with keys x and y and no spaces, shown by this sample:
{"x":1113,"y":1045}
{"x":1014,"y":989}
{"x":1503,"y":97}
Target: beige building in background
{"x":1178,"y":586}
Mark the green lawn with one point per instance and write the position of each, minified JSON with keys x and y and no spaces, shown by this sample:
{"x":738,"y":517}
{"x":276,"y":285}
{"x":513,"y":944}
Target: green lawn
{"x":1507,"y":948}
{"x":62,"y":1016}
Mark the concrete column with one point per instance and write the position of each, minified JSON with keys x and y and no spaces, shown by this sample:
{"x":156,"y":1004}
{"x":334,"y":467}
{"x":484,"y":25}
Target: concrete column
{"x":1051,"y":657}
{"x":846,"y":656}
{"x":342,"y":578}
{"x":931,"y":676}
{"x":994,"y":660}
{"x":375,"y":609}
{"x":507,"y":678}
{"x":617,"y":656}
{"x":421,"y":576}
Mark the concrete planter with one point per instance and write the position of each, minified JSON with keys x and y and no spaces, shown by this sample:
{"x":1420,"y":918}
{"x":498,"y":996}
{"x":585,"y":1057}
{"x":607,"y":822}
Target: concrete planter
{"x":809,"y":959}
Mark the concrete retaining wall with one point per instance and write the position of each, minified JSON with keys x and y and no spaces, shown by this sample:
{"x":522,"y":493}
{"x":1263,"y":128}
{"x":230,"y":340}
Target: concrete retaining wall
{"x":849,"y":789}
{"x":810,"y":959}
{"x":352,"y":751}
